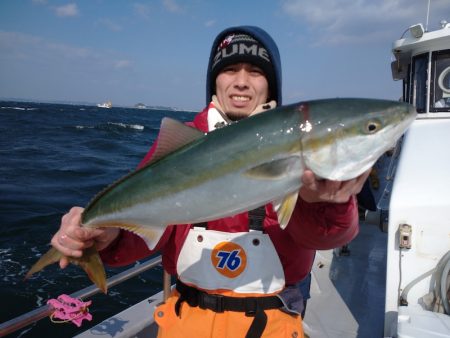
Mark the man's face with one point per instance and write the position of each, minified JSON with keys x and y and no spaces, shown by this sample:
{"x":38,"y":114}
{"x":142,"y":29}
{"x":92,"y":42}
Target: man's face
{"x":240,"y":88}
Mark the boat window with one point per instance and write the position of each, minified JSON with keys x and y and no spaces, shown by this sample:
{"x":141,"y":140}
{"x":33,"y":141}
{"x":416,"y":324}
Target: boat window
{"x":418,"y":90}
{"x":440,"y":81}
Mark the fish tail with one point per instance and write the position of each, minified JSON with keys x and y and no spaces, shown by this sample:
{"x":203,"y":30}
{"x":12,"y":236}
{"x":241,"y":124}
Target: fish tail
{"x":52,"y":256}
{"x":90,"y":262}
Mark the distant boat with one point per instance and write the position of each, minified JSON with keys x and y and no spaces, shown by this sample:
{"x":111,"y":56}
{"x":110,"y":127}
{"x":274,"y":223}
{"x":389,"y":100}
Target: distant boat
{"x":140,"y":106}
{"x":106,"y":104}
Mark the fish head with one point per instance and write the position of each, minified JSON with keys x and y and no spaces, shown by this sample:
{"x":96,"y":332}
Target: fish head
{"x":347,"y":136}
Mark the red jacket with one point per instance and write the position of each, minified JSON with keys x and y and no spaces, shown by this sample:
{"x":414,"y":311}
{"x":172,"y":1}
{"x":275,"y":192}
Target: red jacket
{"x":313,"y":226}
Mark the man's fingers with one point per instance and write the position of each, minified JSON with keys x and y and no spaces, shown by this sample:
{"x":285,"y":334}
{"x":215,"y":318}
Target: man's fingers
{"x":331,"y":187}
{"x":84,"y":234}
{"x":308,"y":177}
{"x":67,"y":246}
{"x":63,"y":262}
{"x":320,"y":190}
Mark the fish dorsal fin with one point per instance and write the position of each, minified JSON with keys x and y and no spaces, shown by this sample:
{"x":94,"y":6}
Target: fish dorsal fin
{"x":172,"y":136}
{"x":284,"y":208}
{"x":272,"y":170}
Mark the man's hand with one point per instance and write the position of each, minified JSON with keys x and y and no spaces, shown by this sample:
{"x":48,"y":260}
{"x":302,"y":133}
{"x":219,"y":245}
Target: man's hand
{"x":71,"y":238}
{"x":320,"y":190}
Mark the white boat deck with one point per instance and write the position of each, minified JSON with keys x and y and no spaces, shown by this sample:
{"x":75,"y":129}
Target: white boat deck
{"x":136,"y":321}
{"x":347,"y":292}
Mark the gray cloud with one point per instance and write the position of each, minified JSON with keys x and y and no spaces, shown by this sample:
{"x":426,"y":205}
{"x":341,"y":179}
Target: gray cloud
{"x":350,"y":21}
{"x":142,"y":10}
{"x":67,"y":10}
{"x":172,"y":6}
{"x":109,"y":24}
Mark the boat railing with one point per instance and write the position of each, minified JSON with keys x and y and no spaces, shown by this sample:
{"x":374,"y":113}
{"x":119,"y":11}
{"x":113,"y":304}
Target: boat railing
{"x":28,"y":318}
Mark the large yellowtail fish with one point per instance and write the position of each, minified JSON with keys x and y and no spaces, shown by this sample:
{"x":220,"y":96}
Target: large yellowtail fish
{"x":196,"y":177}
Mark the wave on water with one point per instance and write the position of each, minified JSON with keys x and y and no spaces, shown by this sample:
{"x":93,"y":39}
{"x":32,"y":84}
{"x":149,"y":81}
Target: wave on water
{"x":52,"y":157}
{"x":11,"y":267}
{"x":19,"y":108}
{"x":113,"y":126}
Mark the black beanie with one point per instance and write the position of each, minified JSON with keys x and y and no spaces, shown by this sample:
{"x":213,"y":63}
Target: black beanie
{"x":240,"y":47}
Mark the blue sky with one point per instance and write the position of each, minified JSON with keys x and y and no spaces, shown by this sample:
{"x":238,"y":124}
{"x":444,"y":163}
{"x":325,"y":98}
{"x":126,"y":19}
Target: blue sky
{"x":156,"y":51}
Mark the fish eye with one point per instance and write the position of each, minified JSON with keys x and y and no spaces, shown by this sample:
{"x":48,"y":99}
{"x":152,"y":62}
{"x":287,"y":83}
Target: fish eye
{"x":372,"y":126}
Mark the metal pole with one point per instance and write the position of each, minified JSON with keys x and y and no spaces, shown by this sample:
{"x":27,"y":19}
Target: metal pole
{"x":25,"y":320}
{"x":166,"y":285}
{"x":46,"y":310}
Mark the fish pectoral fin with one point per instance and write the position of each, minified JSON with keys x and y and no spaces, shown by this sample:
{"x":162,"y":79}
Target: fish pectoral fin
{"x":284,"y":208}
{"x":172,"y":136}
{"x":90,"y":262}
{"x":272,"y":170}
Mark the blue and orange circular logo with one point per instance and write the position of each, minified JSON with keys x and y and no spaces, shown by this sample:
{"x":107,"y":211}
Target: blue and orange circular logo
{"x":229,"y":259}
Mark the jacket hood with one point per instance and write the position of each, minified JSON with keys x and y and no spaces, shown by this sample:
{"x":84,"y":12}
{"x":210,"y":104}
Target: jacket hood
{"x":264,"y":38}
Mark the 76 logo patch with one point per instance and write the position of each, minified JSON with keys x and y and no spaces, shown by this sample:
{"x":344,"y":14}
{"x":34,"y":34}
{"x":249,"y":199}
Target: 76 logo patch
{"x":229,"y":259}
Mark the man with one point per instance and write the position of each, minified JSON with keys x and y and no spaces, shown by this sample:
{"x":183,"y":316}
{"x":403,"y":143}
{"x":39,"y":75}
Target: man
{"x":223,"y":288}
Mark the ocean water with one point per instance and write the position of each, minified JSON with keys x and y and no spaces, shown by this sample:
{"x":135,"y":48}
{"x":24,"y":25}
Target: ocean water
{"x":52,"y":157}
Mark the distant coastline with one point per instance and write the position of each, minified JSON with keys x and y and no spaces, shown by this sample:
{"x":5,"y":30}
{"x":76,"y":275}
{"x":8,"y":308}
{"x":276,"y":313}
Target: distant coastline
{"x":90,"y":104}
